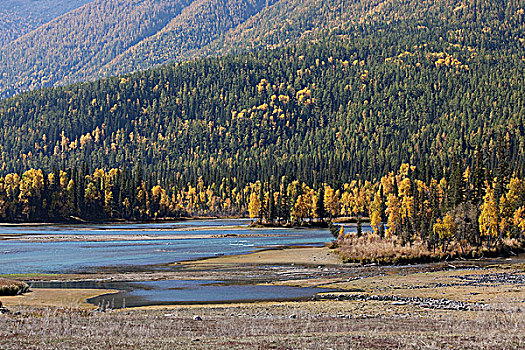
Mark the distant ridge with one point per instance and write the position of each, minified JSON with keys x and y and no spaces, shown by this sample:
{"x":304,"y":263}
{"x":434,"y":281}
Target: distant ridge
{"x":110,"y":37}
{"x":18,"y":17}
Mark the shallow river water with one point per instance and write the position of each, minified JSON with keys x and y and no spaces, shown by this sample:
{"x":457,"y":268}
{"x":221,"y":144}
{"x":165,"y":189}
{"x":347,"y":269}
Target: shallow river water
{"x":206,"y":238}
{"x":215,"y":237}
{"x":171,"y":292}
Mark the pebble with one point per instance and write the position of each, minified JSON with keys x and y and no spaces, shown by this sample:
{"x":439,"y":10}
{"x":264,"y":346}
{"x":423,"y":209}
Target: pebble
{"x":197,"y":318}
{"x":429,"y":303}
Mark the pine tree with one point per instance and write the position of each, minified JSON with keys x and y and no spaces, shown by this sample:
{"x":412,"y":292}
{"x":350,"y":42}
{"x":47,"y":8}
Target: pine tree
{"x":457,"y":184}
{"x":262,"y":208}
{"x":502,"y":170}
{"x":320,"y":210}
{"x":478,"y":176}
{"x":272,"y":212}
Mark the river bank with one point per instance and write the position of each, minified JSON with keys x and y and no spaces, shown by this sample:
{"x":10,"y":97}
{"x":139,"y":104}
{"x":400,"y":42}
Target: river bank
{"x":470,"y":304}
{"x":459,"y":304}
{"x":292,"y":266}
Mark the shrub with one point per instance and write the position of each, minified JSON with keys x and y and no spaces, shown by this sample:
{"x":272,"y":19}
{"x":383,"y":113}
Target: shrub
{"x":8,"y":287}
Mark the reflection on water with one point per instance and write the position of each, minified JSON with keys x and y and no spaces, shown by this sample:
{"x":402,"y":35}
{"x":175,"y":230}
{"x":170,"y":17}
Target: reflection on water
{"x":62,"y":257}
{"x":133,"y":294}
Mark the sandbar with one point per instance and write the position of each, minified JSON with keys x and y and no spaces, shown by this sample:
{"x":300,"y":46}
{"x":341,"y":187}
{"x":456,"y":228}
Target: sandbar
{"x":321,"y":256}
{"x":113,"y":238}
{"x":66,"y":298}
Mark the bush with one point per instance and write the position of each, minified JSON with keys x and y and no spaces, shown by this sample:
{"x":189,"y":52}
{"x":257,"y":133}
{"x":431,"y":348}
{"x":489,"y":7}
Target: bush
{"x":8,"y":287}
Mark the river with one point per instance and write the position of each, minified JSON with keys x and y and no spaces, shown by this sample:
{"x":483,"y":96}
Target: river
{"x":63,"y":249}
{"x":205,"y":238}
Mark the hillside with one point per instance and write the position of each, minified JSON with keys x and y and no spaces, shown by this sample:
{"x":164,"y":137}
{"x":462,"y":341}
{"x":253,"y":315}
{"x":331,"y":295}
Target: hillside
{"x":426,"y":90}
{"x":198,"y":25}
{"x":105,"y":37}
{"x":71,"y":47}
{"x":18,"y":17}
{"x":110,"y":37}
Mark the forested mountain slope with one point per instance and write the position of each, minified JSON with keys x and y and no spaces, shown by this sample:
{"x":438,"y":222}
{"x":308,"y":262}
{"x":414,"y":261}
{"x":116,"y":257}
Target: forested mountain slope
{"x":73,"y":47}
{"x":109,"y":37}
{"x":198,"y":25}
{"x":425,"y":89}
{"x":18,"y":17}
{"x":106,"y":37}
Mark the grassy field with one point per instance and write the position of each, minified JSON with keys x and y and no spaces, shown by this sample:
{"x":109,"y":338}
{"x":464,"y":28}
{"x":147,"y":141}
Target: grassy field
{"x":305,"y":325}
{"x":459,"y":305}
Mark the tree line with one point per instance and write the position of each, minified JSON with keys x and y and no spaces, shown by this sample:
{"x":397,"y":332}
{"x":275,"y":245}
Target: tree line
{"x":469,"y":207}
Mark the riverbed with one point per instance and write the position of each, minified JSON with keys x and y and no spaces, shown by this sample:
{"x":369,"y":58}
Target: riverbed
{"x":154,"y":249}
{"x":86,"y":248}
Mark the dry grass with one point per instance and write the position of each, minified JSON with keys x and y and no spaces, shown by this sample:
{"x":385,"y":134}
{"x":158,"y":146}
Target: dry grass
{"x":324,"y":324}
{"x":9,"y":287}
{"x":56,"y":297}
{"x":371,"y":248}
{"x":318,"y":325}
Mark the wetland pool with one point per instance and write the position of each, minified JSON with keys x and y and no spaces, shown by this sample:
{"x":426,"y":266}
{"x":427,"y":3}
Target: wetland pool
{"x":173,"y":292}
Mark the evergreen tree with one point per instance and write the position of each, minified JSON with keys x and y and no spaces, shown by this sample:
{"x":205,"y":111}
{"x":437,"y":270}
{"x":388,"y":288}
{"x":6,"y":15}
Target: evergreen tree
{"x":320,"y":210}
{"x":478,"y":176}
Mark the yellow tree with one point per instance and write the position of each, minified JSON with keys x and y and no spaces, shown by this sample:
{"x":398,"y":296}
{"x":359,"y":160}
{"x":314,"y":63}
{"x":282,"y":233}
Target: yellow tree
{"x":68,"y":208}
{"x":387,"y":182}
{"x":369,"y":192}
{"x":191,"y":199}
{"x":488,"y":219}
{"x":30,"y":185}
{"x":213,"y":201}
{"x":159,"y":201}
{"x":519,"y":219}
{"x":254,"y":206}
{"x":375,"y":213}
{"x":393,"y":210}
{"x":302,"y":208}
{"x":346,"y":201}
{"x":109,"y":179}
{"x":93,"y":194}
{"x":509,"y":204}
{"x":4,"y":202}
{"x":331,"y":201}
{"x":341,"y":234}
{"x":358,"y":199}
{"x":407,"y":201}
{"x":445,"y":229}
{"x":143,"y":200}
{"x":201,"y":193}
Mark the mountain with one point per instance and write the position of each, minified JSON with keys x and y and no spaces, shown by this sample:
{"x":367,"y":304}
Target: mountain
{"x":106,"y":37}
{"x":198,"y":25}
{"x":71,"y":47}
{"x":18,"y":17}
{"x":110,"y":37}
{"x":423,"y":84}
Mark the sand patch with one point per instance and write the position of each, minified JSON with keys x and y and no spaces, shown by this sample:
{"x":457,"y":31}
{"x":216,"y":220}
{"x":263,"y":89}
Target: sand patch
{"x":290,"y":256}
{"x":40,"y":297}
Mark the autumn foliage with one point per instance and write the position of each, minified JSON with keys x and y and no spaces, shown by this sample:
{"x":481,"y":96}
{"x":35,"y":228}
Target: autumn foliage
{"x":409,"y":217}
